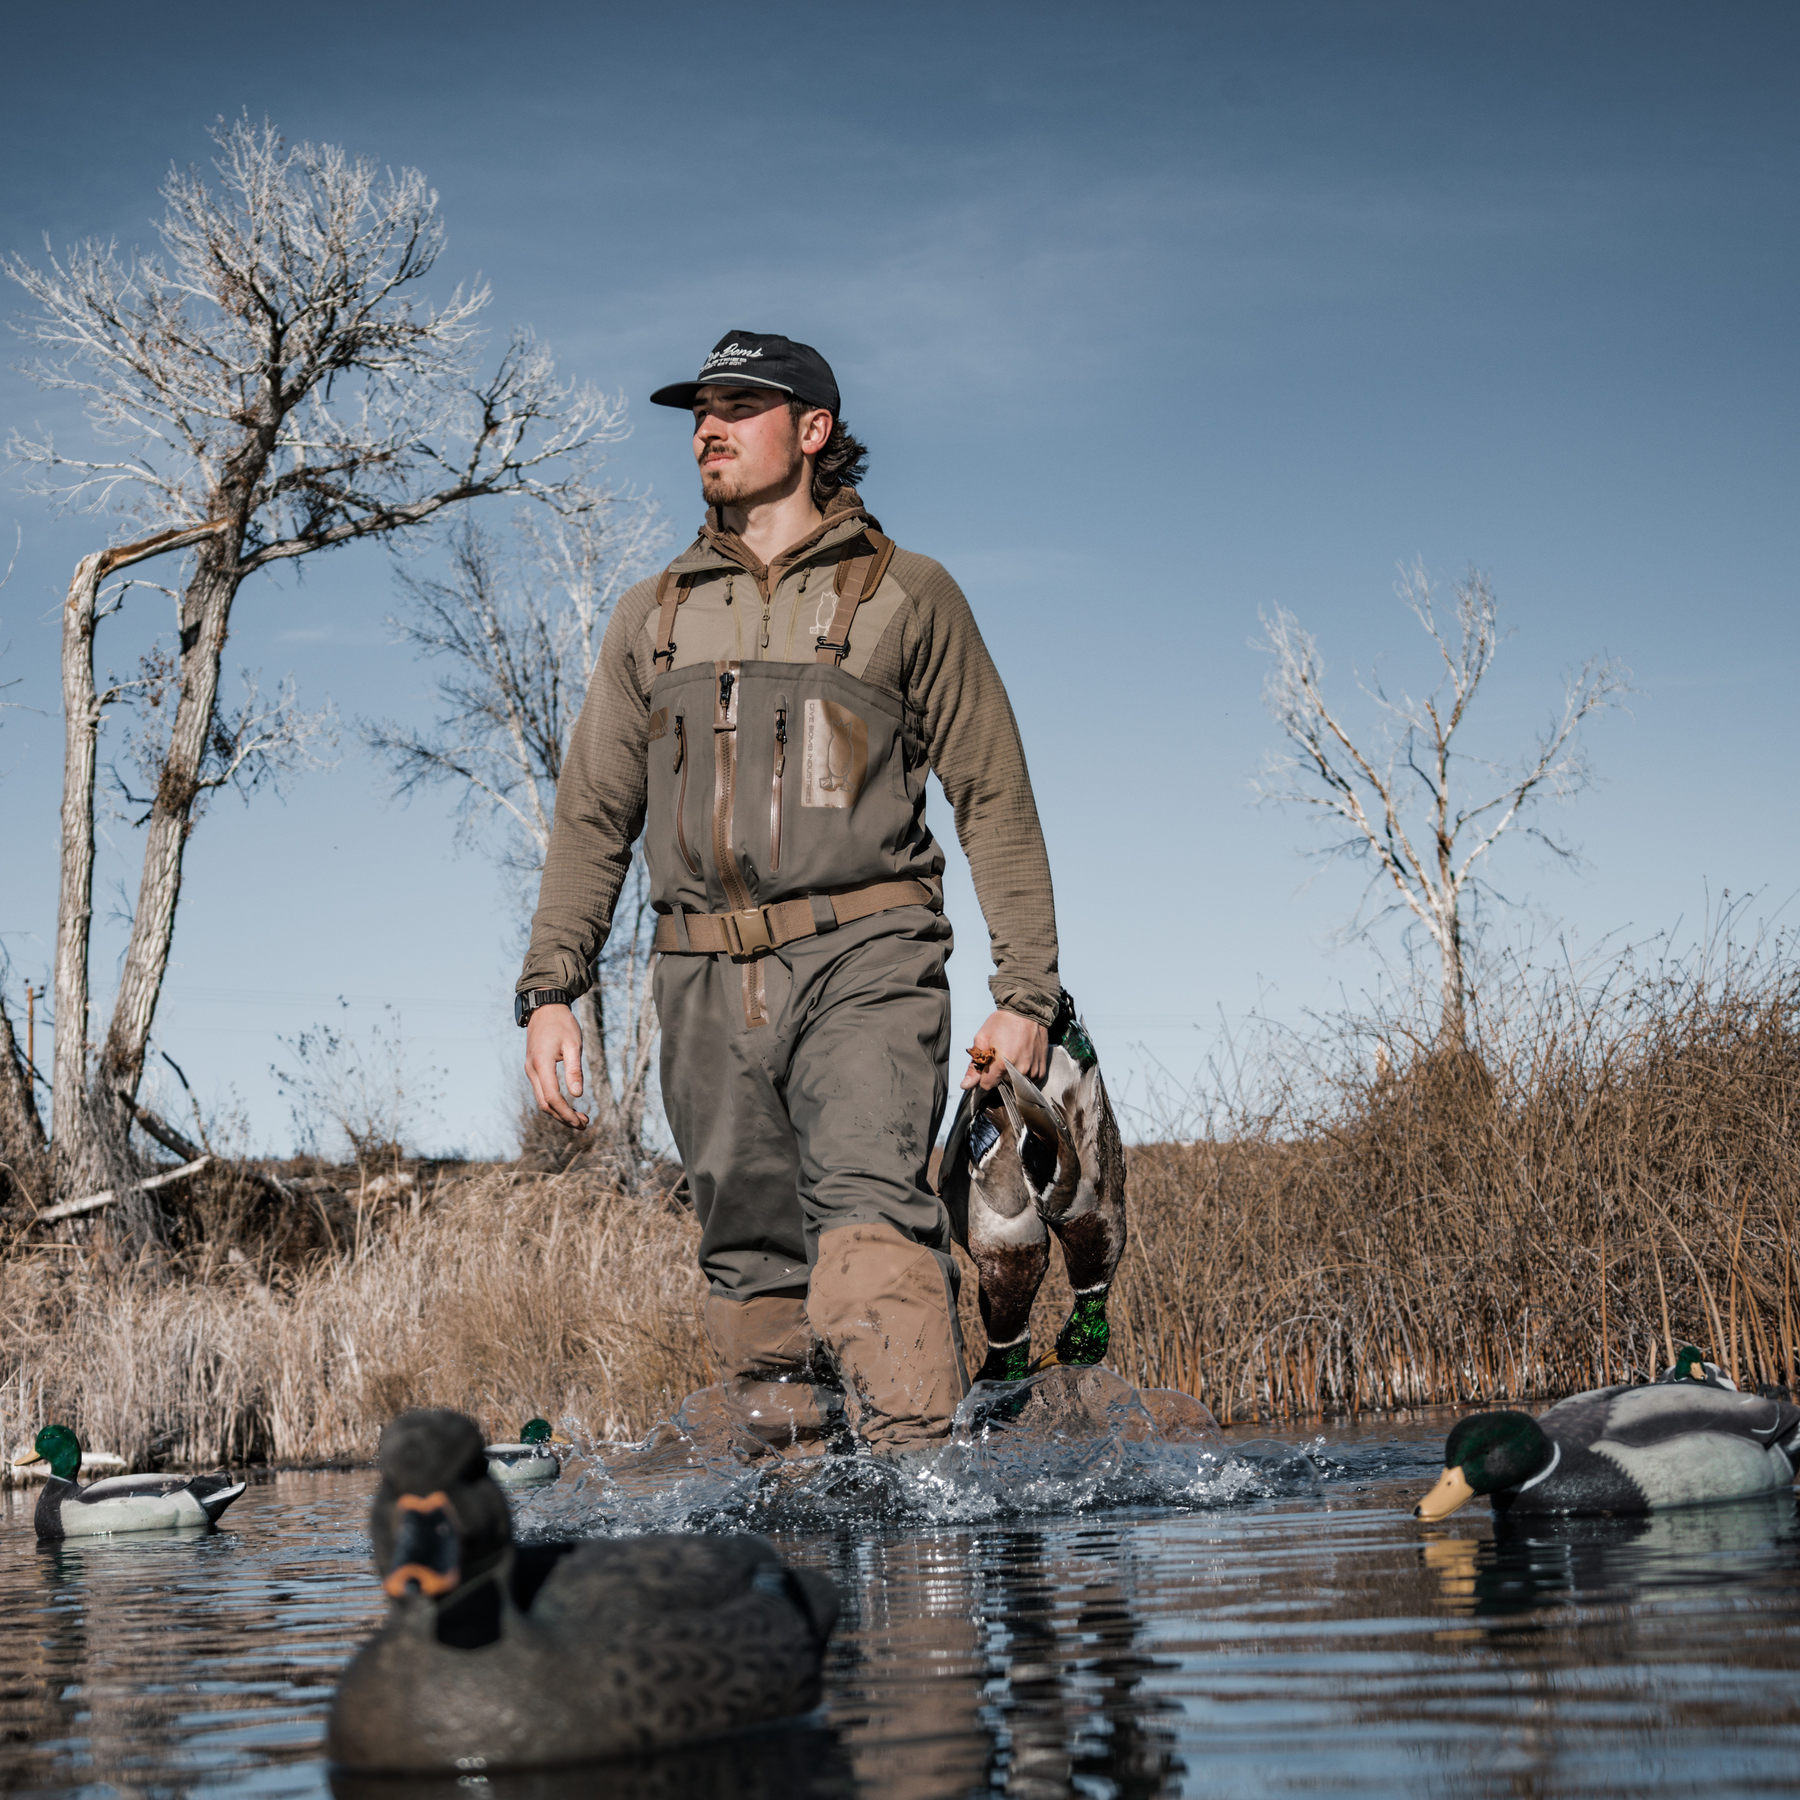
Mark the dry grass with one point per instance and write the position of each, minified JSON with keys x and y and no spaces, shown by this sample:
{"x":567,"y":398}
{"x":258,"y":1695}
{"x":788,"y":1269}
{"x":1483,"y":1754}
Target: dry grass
{"x":504,"y":1295}
{"x":1614,"y":1172}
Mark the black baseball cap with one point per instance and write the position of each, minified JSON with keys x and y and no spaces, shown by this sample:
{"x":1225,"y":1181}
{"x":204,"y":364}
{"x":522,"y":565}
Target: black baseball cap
{"x":759,"y":359}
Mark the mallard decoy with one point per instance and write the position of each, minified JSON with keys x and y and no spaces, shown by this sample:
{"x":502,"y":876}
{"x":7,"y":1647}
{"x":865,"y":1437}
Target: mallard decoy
{"x":1621,"y":1450}
{"x":1022,"y":1159}
{"x":497,"y":1655}
{"x":1691,"y":1365}
{"x":530,"y":1462}
{"x":122,"y":1502}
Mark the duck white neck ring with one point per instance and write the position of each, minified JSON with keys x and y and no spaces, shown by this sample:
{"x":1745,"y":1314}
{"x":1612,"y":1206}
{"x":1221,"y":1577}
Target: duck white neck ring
{"x":1543,"y":1474}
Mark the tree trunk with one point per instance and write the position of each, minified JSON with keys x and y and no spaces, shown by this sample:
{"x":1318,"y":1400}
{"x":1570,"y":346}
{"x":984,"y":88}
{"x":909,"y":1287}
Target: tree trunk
{"x":1453,"y":1030}
{"x":205,"y":614}
{"x":69,"y":1123}
{"x":22,"y":1146}
{"x":72,"y":1125}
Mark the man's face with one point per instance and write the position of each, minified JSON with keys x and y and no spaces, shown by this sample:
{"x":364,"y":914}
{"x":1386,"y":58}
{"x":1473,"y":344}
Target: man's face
{"x":749,"y":446}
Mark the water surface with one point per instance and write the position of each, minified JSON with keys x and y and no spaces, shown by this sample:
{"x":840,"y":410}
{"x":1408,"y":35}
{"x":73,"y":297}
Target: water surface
{"x":1262,"y":1619}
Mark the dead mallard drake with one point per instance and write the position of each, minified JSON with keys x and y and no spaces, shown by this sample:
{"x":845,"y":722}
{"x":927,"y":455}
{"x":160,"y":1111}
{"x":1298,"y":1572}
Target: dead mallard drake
{"x":496,"y":1655}
{"x":1023,"y":1162}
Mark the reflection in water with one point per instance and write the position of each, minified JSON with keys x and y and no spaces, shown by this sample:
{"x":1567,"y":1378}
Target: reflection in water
{"x":791,"y":1763}
{"x":1308,"y":1637}
{"x":1695,"y":1552}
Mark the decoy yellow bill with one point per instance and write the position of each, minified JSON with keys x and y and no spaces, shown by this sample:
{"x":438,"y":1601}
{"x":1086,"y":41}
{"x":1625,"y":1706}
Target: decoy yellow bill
{"x":1450,"y":1491}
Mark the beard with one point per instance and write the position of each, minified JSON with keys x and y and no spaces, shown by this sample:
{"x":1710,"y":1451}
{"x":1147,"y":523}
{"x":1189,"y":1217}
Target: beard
{"x":729,"y":483}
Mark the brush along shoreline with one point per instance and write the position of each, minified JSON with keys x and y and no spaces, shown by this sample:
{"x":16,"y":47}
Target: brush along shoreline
{"x":1360,"y":1223}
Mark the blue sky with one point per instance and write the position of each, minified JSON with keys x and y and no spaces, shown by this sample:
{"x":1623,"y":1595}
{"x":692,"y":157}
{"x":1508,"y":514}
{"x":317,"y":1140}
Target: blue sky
{"x":1152,"y":316}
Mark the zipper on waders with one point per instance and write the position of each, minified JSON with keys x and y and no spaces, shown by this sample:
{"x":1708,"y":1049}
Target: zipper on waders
{"x":681,"y":768}
{"x":775,"y":786}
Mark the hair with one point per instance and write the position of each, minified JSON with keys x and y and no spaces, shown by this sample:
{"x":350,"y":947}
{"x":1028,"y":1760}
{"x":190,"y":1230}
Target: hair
{"x":842,"y":463}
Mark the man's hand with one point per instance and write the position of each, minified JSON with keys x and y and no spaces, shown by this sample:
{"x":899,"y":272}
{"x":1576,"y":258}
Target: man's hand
{"x":552,"y":1037}
{"x":1022,"y":1042}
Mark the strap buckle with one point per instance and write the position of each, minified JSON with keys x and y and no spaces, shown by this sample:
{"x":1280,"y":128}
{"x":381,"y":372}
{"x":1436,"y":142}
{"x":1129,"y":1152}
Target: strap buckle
{"x":747,"y":933}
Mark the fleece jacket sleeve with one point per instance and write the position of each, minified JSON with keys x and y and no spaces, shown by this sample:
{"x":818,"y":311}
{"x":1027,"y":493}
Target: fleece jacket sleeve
{"x":973,"y":742}
{"x":600,"y":801}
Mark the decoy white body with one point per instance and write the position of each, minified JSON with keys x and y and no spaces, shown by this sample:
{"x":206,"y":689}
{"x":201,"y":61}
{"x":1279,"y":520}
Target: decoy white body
{"x":522,"y":1465}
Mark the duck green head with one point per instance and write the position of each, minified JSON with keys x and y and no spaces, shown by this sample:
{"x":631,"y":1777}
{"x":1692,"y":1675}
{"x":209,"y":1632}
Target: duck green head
{"x":57,"y":1445}
{"x":535,"y":1431}
{"x":1690,"y":1365}
{"x":1484,"y":1453}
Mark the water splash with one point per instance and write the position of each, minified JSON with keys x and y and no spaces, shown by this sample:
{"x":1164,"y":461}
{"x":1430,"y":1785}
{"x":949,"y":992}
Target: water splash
{"x":1063,"y":1441}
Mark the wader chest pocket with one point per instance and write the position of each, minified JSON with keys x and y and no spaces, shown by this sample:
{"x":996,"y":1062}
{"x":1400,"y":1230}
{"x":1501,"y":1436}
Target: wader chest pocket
{"x":682,"y":759}
{"x":834,"y":755}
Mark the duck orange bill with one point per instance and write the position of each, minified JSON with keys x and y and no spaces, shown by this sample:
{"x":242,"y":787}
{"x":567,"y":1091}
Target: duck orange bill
{"x":1450,"y":1491}
{"x":428,"y":1555}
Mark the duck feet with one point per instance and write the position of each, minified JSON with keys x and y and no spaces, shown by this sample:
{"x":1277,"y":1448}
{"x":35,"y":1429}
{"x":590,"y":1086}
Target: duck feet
{"x":1083,"y":1340}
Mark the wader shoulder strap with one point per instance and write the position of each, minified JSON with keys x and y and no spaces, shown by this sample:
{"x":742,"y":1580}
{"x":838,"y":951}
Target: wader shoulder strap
{"x":856,"y":579}
{"x":671,"y":590}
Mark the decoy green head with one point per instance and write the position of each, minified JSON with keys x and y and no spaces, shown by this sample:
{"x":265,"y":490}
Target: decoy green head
{"x":535,"y":1431}
{"x":1484,"y":1453}
{"x":438,"y":1519}
{"x":57,"y":1445}
{"x":1690,"y":1365}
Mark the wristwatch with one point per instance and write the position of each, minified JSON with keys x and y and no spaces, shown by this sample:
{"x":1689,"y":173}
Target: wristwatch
{"x":525,"y":1004}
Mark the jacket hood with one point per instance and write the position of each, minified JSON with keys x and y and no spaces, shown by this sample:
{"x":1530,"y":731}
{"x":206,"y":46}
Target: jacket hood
{"x":718,"y":548}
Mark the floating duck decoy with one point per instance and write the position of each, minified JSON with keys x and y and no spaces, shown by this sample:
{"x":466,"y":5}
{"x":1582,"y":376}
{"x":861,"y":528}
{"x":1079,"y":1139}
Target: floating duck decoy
{"x":1021,"y":1162}
{"x":123,"y":1502}
{"x":1621,"y":1450}
{"x":1691,"y":1365}
{"x":497,"y":1655}
{"x":530,"y":1462}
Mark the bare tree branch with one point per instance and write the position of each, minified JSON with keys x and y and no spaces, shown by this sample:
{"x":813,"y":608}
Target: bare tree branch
{"x":515,"y":632}
{"x":1431,"y":862}
{"x":267,"y":383}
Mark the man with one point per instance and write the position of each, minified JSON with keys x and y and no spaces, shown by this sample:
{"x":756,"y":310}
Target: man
{"x":766,"y":712}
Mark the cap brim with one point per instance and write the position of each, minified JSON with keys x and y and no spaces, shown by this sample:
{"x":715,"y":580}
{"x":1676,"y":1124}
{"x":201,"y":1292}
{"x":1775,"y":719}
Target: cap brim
{"x":681,"y":393}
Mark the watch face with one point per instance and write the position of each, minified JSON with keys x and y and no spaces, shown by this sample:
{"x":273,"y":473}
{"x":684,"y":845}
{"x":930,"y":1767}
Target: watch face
{"x":521,"y":1009}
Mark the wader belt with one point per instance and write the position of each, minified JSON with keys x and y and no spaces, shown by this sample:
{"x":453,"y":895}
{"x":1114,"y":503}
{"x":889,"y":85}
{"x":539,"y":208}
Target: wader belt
{"x":769,"y":927}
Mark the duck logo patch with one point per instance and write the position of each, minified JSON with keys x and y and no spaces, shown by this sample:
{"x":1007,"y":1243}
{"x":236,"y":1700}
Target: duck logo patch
{"x":834,"y":756}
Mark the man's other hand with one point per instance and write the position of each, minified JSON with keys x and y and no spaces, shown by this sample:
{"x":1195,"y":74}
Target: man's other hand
{"x":1020,"y":1041}
{"x":552,"y":1037}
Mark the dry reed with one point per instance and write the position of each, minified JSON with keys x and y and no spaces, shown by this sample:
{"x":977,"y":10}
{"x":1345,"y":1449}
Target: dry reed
{"x":1610,"y":1172}
{"x":504,"y":1295}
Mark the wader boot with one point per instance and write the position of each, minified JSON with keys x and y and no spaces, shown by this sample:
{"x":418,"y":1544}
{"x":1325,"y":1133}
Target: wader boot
{"x":779,"y":1386}
{"x":806,"y":1025}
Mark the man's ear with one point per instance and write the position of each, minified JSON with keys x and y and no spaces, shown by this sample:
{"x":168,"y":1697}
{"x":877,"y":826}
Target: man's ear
{"x":815,"y":432}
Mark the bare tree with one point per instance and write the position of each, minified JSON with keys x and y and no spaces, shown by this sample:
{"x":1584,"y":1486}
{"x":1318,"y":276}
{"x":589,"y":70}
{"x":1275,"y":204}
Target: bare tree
{"x":270,"y":385}
{"x":517,"y":636}
{"x":1407,"y":810}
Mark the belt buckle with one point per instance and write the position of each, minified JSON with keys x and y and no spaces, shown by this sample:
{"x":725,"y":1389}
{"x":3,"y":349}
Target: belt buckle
{"x":748,"y":932}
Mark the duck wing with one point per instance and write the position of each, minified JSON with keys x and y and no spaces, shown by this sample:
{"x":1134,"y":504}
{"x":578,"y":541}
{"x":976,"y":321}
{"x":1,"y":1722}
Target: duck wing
{"x":1668,"y":1444}
{"x":648,"y":1577}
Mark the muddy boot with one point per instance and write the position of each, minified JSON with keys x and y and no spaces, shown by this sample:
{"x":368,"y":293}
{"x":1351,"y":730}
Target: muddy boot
{"x":770,"y":1370}
{"x":883,"y":1306}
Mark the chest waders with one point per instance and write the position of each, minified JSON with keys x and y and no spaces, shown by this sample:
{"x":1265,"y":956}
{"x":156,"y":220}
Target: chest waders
{"x":806,"y":1033}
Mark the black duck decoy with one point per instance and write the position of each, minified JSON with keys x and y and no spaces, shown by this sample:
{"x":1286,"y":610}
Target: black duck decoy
{"x":497,"y":1655}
